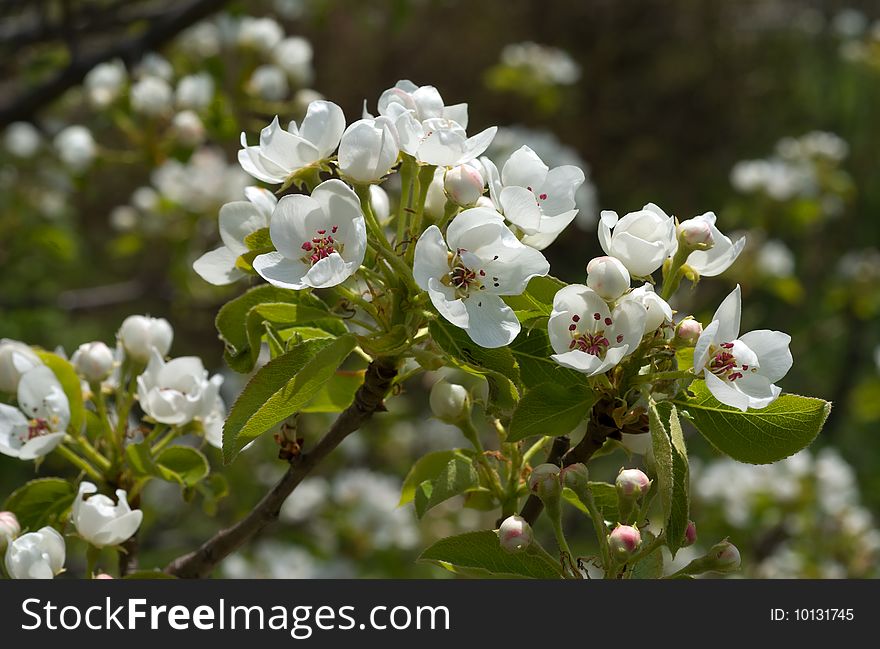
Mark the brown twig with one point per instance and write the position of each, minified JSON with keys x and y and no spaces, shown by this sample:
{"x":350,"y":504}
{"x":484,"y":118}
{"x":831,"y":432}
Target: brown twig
{"x":367,"y":401}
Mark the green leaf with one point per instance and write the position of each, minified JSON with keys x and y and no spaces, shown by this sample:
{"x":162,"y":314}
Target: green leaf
{"x":40,"y":502}
{"x":457,"y":477}
{"x":72,"y":386}
{"x":605,"y":497}
{"x":480,"y":553}
{"x":532,"y":352}
{"x":536,"y":302}
{"x":550,"y":409}
{"x":763,"y":436}
{"x":259,"y":241}
{"x":427,"y":467}
{"x":183,"y":464}
{"x":386,"y":344}
{"x":281,"y":388}
{"x":214,"y":489}
{"x":651,"y":566}
{"x":679,"y":511}
{"x":662,"y":447}
{"x":338,"y":393}
{"x":140,"y":459}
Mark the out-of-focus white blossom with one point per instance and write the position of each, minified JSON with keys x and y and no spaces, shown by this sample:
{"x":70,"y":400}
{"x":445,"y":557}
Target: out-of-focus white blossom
{"x":104,"y":83}
{"x":195,"y":91}
{"x":269,"y":82}
{"x":294,"y":56}
{"x":261,"y":34}
{"x":188,"y":127}
{"x":151,"y":96}
{"x":775,"y":259}
{"x":547,"y":64}
{"x":76,"y":147}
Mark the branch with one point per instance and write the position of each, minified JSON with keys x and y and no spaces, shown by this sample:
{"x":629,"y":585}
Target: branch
{"x":368,"y":400}
{"x":27,"y":104}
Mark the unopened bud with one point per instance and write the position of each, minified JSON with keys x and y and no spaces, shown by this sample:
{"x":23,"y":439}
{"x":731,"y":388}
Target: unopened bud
{"x":690,"y":534}
{"x":542,"y":473}
{"x":103,"y":575}
{"x":632,"y":483}
{"x":688,"y":332}
{"x":624,"y":540}
{"x":545,"y":481}
{"x":93,"y":361}
{"x":515,"y":534}
{"x":140,"y":334}
{"x":723,"y":557}
{"x":608,"y":277}
{"x":449,"y":401}
{"x":696,"y":233}
{"x":9,"y":528}
{"x":463,"y":185}
{"x":576,"y":477}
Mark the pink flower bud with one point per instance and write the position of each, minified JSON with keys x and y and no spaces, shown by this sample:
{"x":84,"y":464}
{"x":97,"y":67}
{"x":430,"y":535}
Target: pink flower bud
{"x":515,"y":534}
{"x":576,"y":477}
{"x":624,"y":540}
{"x":463,"y":185}
{"x":608,"y":277}
{"x":688,"y":331}
{"x":690,"y":534}
{"x":103,"y":575}
{"x":9,"y":527}
{"x":724,"y":557}
{"x":542,"y":473}
{"x":632,"y":483}
{"x":696,"y":232}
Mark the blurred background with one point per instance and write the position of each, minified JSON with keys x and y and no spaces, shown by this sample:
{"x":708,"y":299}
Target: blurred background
{"x":120,"y":124}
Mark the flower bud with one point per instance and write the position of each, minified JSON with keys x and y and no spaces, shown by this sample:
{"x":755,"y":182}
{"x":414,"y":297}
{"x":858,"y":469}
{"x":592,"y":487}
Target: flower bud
{"x":15,"y":359}
{"x":449,"y":402}
{"x":103,"y":575}
{"x":632,"y":483}
{"x":624,"y":540}
{"x":608,"y":277}
{"x":151,"y":96}
{"x":576,"y":477}
{"x":93,"y":361}
{"x":688,"y":332}
{"x":690,"y":534}
{"x":36,"y":555}
{"x":515,"y":534}
{"x":140,"y":334}
{"x":542,"y":473}
{"x":188,"y":127}
{"x":464,"y":185}
{"x":9,"y":528}
{"x":102,"y":522}
{"x":723,"y":557}
{"x":696,"y":233}
{"x":546,"y":483}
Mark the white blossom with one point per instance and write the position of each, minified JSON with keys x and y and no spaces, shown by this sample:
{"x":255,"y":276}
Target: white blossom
{"x":641,"y":240}
{"x":721,"y":252}
{"x":140,"y":335}
{"x":101,"y":522}
{"x":261,"y":34}
{"x":657,"y":310}
{"x":188,"y":127}
{"x":294,"y":56}
{"x":22,"y":139}
{"x":36,"y":555}
{"x":368,"y":149}
{"x":268,"y":82}
{"x":104,"y":82}
{"x":16,"y":358}
{"x":37,"y":426}
{"x":195,"y":91}
{"x":177,"y":391}
{"x":93,"y":361}
{"x":76,"y":147}
{"x":151,"y":96}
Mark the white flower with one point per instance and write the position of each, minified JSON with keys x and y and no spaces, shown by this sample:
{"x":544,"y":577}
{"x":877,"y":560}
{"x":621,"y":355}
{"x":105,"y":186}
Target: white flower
{"x":76,"y":147}
{"x":237,"y":220}
{"x":587,"y":336}
{"x":16,"y":358}
{"x":380,"y":203}
{"x":93,"y":361}
{"x":641,"y":240}
{"x":22,"y":139}
{"x":212,"y":424}
{"x":151,"y":96}
{"x":282,"y":153}
{"x":104,"y":82}
{"x":202,"y":40}
{"x":261,"y":34}
{"x":547,"y":64}
{"x":154,"y":65}
{"x":721,"y":252}
{"x":189,"y":128}
{"x":195,"y":91}
{"x":368,"y":149}
{"x":37,"y":426}
{"x":464,"y":184}
{"x":608,"y":277}
{"x":294,"y":55}
{"x":140,"y":335}
{"x":430,"y":131}
{"x":269,"y":82}
{"x":36,"y":555}
{"x":657,"y":310}
{"x":486,"y":261}
{"x":177,"y":391}
{"x":449,"y":401}
{"x":775,"y":259}
{"x":101,"y":522}
{"x":320,"y":240}
{"x":740,"y":371}
{"x":536,"y":199}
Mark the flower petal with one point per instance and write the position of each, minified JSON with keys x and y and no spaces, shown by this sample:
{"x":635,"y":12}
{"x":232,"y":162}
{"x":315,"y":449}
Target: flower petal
{"x":524,"y":169}
{"x":431,"y":257}
{"x":279,"y":271}
{"x":521,"y":208}
{"x":772,"y":350}
{"x":726,"y":393}
{"x":491,"y":323}
{"x":728,"y":315}
{"x":323,"y":126}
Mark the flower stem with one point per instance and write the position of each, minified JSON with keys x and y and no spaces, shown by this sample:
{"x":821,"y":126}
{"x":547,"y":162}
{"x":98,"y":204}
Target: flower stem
{"x":425,"y":176}
{"x":159,"y":446}
{"x":673,"y":277}
{"x":106,"y":425}
{"x":449,"y":212}
{"x":407,"y":179}
{"x":535,"y":449}
{"x":404,"y":272}
{"x":91,"y":453}
{"x":599,"y":526}
{"x":79,"y":463}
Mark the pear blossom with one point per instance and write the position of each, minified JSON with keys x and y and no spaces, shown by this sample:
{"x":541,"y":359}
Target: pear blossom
{"x":368,"y":149}
{"x":36,"y":555}
{"x":589,"y":337}
{"x":719,"y":253}
{"x":536,"y":199}
{"x":177,"y":391}
{"x":16,"y":358}
{"x":101,"y":522}
{"x":188,"y":127}
{"x":608,"y":277}
{"x":151,"y":96}
{"x":641,"y":240}
{"x":380,"y":203}
{"x":449,"y":401}
{"x":194,"y":91}
{"x":294,"y":56}
{"x":37,"y":426}
{"x":104,"y":82}
{"x":657,"y":310}
{"x":320,"y":240}
{"x":140,"y":335}
{"x":741,"y":371}
{"x":430,"y":131}
{"x":9,"y":528}
{"x":22,"y":139}
{"x":93,"y":361}
{"x":464,"y":184}
{"x":76,"y":147}
{"x":261,"y":34}
{"x":281,"y":153}
{"x":154,"y":65}
{"x":466,"y":275}
{"x":237,"y":220}
{"x":269,"y":82}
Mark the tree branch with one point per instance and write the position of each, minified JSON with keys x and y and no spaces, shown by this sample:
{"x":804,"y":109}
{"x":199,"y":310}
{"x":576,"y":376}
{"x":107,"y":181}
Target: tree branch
{"x":367,"y":400}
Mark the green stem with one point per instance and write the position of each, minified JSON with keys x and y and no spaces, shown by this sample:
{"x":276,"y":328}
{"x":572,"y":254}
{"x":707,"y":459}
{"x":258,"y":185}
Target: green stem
{"x":404,"y":272}
{"x":407,"y":178}
{"x":673,"y":279}
{"x":599,"y":526}
{"x":491,"y":475}
{"x":106,"y":425}
{"x":154,"y":434}
{"x":79,"y":463}
{"x":560,"y":538}
{"x":535,"y":448}
{"x":449,"y":212}
{"x":159,"y":446}
{"x":426,"y":175}
{"x":90,"y":452}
